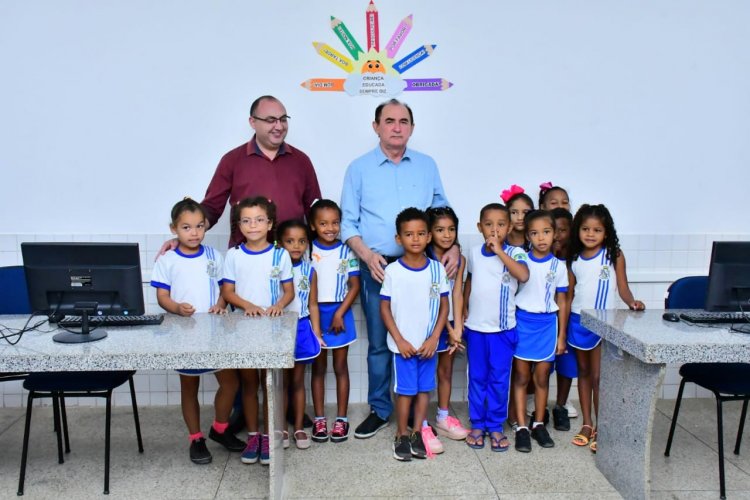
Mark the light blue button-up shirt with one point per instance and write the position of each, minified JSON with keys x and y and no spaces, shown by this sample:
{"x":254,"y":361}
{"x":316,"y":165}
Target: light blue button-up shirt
{"x":376,"y":190}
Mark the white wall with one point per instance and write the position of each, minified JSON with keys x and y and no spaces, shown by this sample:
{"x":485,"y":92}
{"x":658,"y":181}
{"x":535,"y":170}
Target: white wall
{"x":112,"y":111}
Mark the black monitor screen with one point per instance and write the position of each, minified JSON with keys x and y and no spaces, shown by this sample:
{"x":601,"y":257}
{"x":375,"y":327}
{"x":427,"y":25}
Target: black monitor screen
{"x":729,"y":277}
{"x":61,"y":275}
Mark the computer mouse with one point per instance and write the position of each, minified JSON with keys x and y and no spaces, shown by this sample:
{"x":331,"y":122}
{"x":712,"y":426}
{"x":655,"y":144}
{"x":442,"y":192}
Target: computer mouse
{"x":669,"y":316}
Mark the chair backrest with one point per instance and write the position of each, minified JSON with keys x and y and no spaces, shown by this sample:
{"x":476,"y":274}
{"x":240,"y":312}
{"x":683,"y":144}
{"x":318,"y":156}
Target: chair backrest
{"x":14,"y":296}
{"x":687,"y":293}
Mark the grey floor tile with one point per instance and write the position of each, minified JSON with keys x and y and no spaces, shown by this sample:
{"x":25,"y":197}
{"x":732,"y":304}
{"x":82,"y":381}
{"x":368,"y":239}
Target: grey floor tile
{"x":9,"y":416}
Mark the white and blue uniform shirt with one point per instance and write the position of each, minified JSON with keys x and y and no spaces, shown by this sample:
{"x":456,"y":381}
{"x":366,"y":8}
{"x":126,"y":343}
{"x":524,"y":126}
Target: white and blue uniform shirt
{"x":257,"y":276}
{"x":302,"y":273}
{"x":414,"y":296}
{"x":334,"y":265}
{"x":547,"y":277}
{"x":492,"y":305}
{"x":596,"y":283}
{"x":194,"y":279}
{"x":451,"y":282}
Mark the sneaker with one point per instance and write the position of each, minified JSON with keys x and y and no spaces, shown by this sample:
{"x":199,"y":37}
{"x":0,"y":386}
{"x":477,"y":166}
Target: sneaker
{"x":370,"y":426}
{"x":572,"y":412}
{"x":530,"y":405}
{"x":431,"y":442}
{"x":523,"y":440}
{"x":541,"y":436}
{"x":199,"y":453}
{"x":320,"y":430}
{"x":401,"y":448}
{"x":226,"y":439}
{"x":265,"y":455}
{"x":301,"y":439}
{"x":560,"y":418}
{"x":340,"y":431}
{"x":451,"y":428}
{"x":252,"y":450}
{"x":418,"y":449}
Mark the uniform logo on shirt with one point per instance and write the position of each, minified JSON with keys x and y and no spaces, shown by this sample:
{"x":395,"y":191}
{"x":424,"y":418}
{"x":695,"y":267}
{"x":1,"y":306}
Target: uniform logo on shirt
{"x":550,"y":278}
{"x":604,"y":273}
{"x":506,"y":279}
{"x":353,"y":263}
{"x":212,"y":269}
{"x":435,"y":290}
{"x":275,"y":272}
{"x":343,"y":266}
{"x":304,"y":284}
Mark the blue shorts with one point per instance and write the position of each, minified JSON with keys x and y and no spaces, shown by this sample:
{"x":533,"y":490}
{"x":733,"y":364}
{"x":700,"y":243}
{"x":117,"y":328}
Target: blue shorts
{"x":579,"y":336}
{"x":566,"y":364}
{"x":335,"y":340}
{"x":537,"y":336}
{"x":413,"y":375}
{"x":196,"y":372}
{"x":307,"y":346}
{"x":443,"y":344}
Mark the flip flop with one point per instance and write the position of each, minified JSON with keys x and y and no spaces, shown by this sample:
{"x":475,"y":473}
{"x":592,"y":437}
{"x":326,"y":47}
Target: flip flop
{"x":582,"y":439}
{"x":495,"y":442}
{"x":592,"y":446}
{"x":477,"y":436}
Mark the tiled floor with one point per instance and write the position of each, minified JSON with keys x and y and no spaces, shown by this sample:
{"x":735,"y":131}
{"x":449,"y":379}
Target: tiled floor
{"x":354,"y":469}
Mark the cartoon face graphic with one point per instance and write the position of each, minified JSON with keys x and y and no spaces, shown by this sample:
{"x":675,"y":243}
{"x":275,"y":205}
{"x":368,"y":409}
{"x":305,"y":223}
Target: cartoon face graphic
{"x":373,"y":66}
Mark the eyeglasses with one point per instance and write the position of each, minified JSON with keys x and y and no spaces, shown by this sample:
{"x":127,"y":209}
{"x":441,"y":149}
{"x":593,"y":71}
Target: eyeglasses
{"x":271,"y":120}
{"x":249,"y":221}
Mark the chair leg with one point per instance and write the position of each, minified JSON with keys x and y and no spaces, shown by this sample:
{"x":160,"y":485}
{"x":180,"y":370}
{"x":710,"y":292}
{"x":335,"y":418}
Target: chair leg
{"x":25,"y":452}
{"x":676,"y":412}
{"x":64,"y":415}
{"x":135,"y":415}
{"x":720,"y":426}
{"x":56,"y":417}
{"x":742,"y":428}
{"x":106,"y":442}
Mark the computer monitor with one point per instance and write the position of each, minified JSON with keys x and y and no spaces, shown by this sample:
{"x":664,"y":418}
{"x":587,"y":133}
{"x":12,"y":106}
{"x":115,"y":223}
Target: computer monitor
{"x":83,"y":279}
{"x":729,"y":277}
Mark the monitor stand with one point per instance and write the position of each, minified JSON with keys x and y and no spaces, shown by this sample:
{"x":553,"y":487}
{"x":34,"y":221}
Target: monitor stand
{"x":85,"y":335}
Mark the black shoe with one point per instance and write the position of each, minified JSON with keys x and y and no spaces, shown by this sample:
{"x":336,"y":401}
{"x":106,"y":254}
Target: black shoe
{"x":530,"y":421}
{"x":199,"y":453}
{"x":227,"y":440}
{"x":541,"y":436}
{"x":560,"y":418}
{"x":523,"y":440}
{"x":307,"y":421}
{"x":370,"y":426}
{"x":417,"y":445}
{"x":236,"y":421}
{"x":402,"y":449}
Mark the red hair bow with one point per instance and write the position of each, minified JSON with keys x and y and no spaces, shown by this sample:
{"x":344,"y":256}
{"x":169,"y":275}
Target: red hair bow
{"x":507,"y":194}
{"x":546,"y":186}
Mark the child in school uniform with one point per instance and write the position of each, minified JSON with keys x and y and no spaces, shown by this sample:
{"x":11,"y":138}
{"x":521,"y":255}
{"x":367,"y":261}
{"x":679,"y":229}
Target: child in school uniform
{"x":414,"y":308}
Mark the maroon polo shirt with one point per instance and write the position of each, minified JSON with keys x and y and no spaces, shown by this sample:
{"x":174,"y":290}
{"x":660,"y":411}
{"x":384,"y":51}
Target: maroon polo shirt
{"x":289,"y":180}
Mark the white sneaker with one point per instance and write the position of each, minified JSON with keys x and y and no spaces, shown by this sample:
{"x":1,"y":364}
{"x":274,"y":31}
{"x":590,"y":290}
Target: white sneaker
{"x":572,"y":412}
{"x":431,"y":441}
{"x":530,"y":405}
{"x":451,"y":428}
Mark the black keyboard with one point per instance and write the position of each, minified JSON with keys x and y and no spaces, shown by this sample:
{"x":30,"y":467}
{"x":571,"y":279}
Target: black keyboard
{"x":708,"y":317}
{"x":146,"y":319}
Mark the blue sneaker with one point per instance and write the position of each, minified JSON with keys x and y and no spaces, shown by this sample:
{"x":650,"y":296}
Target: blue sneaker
{"x":265,"y":456}
{"x":252,"y":450}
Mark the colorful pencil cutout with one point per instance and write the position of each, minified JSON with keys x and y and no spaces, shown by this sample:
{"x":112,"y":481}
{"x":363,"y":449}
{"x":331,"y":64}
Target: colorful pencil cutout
{"x":346,"y":37}
{"x":398,"y":37}
{"x":429,"y":84}
{"x":334,"y":56}
{"x":324,"y":84}
{"x":373,"y":28}
{"x":414,"y":58}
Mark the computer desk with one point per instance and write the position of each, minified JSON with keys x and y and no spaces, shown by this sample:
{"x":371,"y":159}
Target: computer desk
{"x":199,"y":341}
{"x":637,"y":347}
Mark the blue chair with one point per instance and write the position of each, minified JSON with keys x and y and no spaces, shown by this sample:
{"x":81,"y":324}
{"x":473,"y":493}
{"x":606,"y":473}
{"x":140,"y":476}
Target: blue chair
{"x":57,"y":385}
{"x":728,"y":381}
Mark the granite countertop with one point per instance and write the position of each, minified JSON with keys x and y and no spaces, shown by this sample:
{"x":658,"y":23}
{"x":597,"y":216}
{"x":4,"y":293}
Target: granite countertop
{"x":199,"y":341}
{"x":651,"y":339}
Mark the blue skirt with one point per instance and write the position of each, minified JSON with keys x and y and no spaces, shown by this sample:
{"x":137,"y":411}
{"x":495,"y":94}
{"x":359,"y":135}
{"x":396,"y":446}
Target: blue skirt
{"x":537,"y":336}
{"x":443,"y":344}
{"x":579,"y":336}
{"x":332,"y":339}
{"x":196,"y":372}
{"x":307,"y":346}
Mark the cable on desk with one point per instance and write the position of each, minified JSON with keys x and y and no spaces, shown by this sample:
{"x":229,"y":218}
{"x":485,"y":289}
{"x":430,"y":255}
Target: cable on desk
{"x":13,"y":335}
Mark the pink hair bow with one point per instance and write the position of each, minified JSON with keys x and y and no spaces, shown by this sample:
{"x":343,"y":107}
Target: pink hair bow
{"x":507,"y":194}
{"x":546,"y":186}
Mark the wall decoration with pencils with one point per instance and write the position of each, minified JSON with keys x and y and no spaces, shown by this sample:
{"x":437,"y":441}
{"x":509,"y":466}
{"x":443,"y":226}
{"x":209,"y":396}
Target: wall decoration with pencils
{"x":375,"y":70}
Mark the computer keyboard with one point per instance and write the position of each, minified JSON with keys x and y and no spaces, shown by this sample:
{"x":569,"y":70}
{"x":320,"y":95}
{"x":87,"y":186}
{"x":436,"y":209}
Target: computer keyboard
{"x":146,"y":319}
{"x":708,"y":317}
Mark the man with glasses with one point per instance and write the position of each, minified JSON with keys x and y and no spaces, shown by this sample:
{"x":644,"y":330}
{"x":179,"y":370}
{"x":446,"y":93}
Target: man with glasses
{"x":377,"y":186}
{"x":264,"y":166}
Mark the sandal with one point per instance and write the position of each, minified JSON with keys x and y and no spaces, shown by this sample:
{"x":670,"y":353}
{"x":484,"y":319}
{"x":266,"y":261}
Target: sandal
{"x":582,"y":439}
{"x":496,"y":440}
{"x":475,"y":439}
{"x":301,"y":439}
{"x":592,"y":446}
{"x":285,"y":439}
